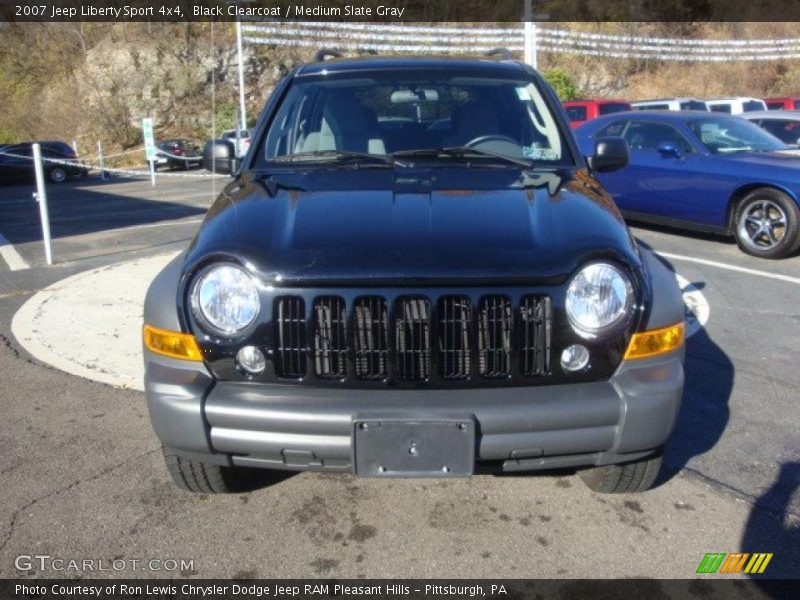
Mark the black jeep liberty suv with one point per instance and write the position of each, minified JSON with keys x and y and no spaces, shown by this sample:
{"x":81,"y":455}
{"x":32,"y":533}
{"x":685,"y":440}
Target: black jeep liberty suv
{"x":414,"y":273}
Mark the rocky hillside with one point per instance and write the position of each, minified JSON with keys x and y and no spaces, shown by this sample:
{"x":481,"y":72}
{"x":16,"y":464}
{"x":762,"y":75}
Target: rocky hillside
{"x":95,"y":81}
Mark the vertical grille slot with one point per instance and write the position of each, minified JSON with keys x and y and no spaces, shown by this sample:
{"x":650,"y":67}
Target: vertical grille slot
{"x":290,"y":321}
{"x":371,"y":325}
{"x":494,"y":337}
{"x":455,"y":315}
{"x":536,"y":318}
{"x":330,"y":340}
{"x":412,"y":339}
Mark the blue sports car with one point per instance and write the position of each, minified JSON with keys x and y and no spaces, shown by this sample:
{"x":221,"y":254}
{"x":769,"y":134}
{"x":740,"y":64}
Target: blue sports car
{"x":707,"y":172}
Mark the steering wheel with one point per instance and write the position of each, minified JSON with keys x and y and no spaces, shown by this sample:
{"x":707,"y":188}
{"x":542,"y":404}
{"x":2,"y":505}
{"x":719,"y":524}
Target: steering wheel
{"x":482,"y":139}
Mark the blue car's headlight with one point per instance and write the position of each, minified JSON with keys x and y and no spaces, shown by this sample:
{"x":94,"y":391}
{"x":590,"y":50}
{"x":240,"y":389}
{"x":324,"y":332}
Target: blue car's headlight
{"x":599,"y":299}
{"x":225,"y":300}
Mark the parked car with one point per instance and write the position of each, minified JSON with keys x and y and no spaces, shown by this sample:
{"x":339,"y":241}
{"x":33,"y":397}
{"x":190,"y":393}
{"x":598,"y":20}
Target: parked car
{"x":580,"y":111}
{"x":670,"y":104}
{"x":783,"y":124}
{"x":706,"y":172}
{"x":736,"y":106}
{"x":244,"y":140}
{"x":791,"y":103}
{"x":417,"y":274}
{"x":16,"y":162}
{"x":178,"y":154}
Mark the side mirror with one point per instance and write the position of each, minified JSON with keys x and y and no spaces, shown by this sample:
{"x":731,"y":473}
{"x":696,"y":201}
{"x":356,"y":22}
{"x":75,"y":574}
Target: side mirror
{"x":610,"y":154}
{"x":668,"y":150}
{"x":219,"y":156}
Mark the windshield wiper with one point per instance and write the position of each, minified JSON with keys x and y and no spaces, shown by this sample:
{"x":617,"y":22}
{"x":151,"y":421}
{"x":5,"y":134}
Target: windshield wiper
{"x":462,"y":152}
{"x":338,"y":156}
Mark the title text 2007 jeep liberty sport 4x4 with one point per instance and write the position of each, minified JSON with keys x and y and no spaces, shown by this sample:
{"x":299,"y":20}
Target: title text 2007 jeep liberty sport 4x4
{"x":414,"y":273}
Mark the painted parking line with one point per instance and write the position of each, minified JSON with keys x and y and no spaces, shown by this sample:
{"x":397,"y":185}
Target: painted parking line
{"x":13,"y":259}
{"x":153,"y":225}
{"x":729,"y":267}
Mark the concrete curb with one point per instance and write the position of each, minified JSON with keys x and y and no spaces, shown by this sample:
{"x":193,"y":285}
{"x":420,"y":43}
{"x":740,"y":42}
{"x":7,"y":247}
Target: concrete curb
{"x":95,"y":332}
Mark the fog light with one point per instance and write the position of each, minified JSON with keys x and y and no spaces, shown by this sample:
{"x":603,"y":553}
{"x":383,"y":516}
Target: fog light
{"x":251,"y":359}
{"x":574,"y":357}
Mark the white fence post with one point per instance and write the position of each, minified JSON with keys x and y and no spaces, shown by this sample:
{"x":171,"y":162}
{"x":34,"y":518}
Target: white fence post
{"x":242,"y":108}
{"x":530,"y":35}
{"x":100,"y":154}
{"x":41,"y":198}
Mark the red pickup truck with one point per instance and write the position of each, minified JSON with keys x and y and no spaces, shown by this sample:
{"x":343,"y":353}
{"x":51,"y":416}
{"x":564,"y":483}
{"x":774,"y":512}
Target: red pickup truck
{"x":580,"y":111}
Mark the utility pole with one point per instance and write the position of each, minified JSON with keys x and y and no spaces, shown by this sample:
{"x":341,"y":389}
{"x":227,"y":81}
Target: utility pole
{"x":242,"y":110}
{"x":530,"y":34}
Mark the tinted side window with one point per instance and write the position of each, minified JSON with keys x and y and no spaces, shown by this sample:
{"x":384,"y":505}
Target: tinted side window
{"x":751,"y":106}
{"x":653,"y":107}
{"x":576,"y":113}
{"x":648,"y":136}
{"x":777,"y":105}
{"x":797,"y":104}
{"x":23,"y":150}
{"x":786,"y":131}
{"x":721,"y":108}
{"x":693,"y":105}
{"x":614,"y":129}
{"x":607,"y":109}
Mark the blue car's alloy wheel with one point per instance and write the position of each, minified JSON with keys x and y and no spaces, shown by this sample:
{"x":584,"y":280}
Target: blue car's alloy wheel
{"x":767,"y":224}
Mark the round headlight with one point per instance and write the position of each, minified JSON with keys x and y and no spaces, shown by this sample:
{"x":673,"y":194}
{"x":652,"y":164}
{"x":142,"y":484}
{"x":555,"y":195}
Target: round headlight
{"x":225,"y":299}
{"x":599,"y":297}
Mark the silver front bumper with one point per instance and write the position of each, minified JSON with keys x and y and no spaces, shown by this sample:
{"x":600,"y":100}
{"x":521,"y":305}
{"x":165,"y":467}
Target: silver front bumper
{"x":520,"y":428}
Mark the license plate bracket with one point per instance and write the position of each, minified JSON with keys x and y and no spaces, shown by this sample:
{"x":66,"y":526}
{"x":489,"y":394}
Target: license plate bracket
{"x":414,"y":448}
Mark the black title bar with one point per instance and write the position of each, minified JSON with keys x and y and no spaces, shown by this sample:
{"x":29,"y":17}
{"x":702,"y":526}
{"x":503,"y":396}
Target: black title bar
{"x":400,"y":11}
{"x":411,"y":589}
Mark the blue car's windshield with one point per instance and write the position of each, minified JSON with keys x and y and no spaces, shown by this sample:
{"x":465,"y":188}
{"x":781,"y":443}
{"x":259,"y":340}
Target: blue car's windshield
{"x":724,"y":135}
{"x":396,"y":113}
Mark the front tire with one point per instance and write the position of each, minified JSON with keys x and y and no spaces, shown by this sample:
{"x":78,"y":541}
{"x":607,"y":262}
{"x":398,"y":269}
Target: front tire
{"x":57,"y":175}
{"x":767,"y":224}
{"x":202,"y":478}
{"x":626,"y":478}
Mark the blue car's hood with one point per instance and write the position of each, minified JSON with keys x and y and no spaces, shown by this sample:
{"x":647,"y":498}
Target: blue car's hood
{"x":415,"y":225}
{"x":784,"y":159}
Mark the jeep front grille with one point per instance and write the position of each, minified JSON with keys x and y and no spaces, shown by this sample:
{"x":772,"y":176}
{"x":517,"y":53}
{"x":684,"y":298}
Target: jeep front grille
{"x":535,"y":349}
{"x":330,"y":343}
{"x":455,"y":323}
{"x":494,"y":337}
{"x":371,"y":338}
{"x":413,"y":339}
{"x":290,"y":353}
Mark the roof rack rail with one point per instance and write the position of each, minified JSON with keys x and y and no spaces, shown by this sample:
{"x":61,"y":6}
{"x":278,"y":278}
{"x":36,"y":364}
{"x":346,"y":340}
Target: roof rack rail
{"x":324,"y":53}
{"x":505,"y":53}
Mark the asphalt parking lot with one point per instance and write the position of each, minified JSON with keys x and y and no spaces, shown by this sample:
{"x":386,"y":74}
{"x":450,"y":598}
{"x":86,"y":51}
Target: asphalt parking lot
{"x":82,"y":477}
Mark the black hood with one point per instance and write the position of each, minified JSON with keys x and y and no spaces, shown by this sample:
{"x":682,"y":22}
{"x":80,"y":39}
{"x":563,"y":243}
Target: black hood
{"x":406,"y":225}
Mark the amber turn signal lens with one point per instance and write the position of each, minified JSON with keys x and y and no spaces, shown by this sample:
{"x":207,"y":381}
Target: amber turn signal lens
{"x":656,"y":341}
{"x":172,"y":343}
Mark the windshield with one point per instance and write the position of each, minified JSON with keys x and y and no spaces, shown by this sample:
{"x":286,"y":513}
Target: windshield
{"x":722,"y":135}
{"x":399,"y":111}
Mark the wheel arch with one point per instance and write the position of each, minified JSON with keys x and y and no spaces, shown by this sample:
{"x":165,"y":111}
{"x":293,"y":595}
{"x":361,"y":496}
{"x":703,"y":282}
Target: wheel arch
{"x":741,"y":192}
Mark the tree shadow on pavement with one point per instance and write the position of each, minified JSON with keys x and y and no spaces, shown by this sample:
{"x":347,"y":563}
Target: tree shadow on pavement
{"x":773,"y":526}
{"x":77,"y":210}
